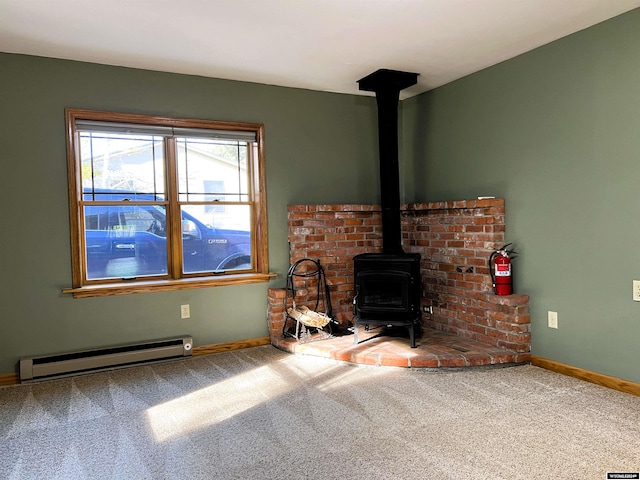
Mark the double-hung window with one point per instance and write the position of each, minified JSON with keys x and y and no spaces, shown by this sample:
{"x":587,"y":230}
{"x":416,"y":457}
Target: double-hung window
{"x":164,"y":203}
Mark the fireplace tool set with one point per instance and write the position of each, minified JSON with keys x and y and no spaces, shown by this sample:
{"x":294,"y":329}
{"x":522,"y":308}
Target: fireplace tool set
{"x":307,"y":276}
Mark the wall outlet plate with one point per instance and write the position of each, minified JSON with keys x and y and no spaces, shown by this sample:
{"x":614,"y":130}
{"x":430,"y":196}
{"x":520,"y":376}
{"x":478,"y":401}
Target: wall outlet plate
{"x":185,"y":312}
{"x":636,"y":290}
{"x":552,"y":319}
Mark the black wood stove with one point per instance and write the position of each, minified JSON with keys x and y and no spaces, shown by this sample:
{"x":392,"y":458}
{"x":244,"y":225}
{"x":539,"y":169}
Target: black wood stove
{"x":387,"y":292}
{"x":388,"y":284}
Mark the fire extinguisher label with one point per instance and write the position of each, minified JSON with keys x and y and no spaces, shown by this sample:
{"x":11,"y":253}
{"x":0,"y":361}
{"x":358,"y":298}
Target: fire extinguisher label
{"x":503,"y":270}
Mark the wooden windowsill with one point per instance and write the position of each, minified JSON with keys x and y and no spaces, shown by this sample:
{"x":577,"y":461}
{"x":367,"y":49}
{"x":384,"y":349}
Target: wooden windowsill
{"x":109,"y":289}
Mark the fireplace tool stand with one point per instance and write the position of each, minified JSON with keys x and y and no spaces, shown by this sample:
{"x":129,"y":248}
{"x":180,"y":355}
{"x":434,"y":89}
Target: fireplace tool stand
{"x":307,"y":277}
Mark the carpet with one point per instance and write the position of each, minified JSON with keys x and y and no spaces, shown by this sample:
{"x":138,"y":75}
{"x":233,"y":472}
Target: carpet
{"x":260,"y":413}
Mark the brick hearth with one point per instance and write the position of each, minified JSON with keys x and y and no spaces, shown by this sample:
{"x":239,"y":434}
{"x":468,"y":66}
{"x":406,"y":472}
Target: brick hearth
{"x":465,"y":324}
{"x":434,"y":349}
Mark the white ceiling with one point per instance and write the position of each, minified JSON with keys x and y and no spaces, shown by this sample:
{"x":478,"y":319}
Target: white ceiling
{"x":322,"y":45}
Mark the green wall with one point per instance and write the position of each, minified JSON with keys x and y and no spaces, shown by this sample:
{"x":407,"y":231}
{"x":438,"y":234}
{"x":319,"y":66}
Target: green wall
{"x":556,"y":132}
{"x":320,"y":148}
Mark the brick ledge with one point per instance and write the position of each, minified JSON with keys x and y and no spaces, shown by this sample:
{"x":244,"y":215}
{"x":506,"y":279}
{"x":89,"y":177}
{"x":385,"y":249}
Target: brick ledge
{"x":435,"y":350}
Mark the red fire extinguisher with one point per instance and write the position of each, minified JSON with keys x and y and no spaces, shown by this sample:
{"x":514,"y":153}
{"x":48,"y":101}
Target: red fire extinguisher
{"x":500,"y":268}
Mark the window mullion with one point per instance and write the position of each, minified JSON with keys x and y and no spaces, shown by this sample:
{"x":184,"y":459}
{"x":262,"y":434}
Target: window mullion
{"x":174,"y":235}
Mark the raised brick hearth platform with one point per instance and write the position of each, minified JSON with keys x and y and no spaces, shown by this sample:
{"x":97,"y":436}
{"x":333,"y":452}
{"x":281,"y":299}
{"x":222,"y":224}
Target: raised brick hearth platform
{"x":434,"y":349}
{"x":465,"y":324}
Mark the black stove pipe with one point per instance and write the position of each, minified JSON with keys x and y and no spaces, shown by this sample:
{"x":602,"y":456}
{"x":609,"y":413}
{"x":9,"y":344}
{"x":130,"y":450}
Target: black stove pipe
{"x":387,"y":85}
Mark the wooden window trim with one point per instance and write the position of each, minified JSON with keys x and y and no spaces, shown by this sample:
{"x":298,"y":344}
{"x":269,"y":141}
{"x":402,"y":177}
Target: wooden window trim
{"x":110,"y":289}
{"x":80,"y":289}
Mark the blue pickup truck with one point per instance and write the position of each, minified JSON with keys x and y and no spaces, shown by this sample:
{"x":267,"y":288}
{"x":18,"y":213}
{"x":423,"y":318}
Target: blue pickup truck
{"x":129,"y":240}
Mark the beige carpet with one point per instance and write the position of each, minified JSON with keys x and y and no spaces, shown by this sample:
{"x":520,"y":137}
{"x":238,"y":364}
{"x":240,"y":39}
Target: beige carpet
{"x":263,"y":414}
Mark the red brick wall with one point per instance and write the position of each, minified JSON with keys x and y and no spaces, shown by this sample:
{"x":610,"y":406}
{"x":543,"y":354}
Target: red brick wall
{"x":454,"y":239}
{"x":334,"y":234}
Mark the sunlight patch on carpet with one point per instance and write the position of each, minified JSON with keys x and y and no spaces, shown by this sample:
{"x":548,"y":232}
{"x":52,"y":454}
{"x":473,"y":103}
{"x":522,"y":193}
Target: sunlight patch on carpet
{"x":217,"y":403}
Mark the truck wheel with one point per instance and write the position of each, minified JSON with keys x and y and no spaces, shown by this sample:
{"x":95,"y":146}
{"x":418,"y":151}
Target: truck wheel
{"x":236,"y":261}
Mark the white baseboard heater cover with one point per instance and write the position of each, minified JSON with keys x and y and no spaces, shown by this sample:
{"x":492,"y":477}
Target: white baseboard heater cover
{"x":88,"y":361}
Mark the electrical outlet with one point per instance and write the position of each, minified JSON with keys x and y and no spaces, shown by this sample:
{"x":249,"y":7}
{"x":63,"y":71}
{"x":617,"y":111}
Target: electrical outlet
{"x":636,"y":290}
{"x":552,"y":318}
{"x":185,"y":311}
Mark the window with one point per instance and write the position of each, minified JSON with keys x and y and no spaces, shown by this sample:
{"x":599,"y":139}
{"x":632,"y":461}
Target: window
{"x":215,"y":186}
{"x":164,"y":203}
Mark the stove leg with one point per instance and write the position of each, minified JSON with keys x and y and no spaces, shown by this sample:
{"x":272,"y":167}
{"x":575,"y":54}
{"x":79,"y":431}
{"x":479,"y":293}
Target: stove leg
{"x":412,"y":335}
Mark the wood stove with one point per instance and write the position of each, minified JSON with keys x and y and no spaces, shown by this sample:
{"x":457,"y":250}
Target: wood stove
{"x":387,"y":292}
{"x":387,"y":284}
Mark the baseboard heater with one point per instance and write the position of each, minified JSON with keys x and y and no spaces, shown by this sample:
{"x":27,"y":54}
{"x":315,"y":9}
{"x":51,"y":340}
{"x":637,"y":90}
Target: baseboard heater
{"x":76,"y":363}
